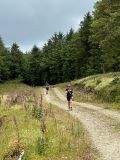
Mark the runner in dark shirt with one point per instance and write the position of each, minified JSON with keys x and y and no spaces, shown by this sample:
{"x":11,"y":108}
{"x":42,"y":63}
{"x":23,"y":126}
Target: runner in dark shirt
{"x":69,"y":94}
{"x":47,"y":87}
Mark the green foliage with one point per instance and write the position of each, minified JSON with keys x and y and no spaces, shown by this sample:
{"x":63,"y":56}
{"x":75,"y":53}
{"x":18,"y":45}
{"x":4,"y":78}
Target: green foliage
{"x":111,"y":93}
{"x":40,"y":145}
{"x":16,"y":62}
{"x":37,"y":112}
{"x":102,"y":88}
{"x":106,"y":33}
{"x":98,"y":82}
{"x":4,"y":64}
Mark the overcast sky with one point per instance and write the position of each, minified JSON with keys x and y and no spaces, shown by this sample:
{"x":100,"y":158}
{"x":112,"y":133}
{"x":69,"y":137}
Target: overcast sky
{"x":29,"y":22}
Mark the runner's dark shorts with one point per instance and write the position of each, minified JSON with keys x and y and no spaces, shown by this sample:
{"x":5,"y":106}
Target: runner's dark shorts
{"x":47,"y":88}
{"x":69,"y":98}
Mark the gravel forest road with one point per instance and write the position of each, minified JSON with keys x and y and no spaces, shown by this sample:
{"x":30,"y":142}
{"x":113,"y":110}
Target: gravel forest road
{"x":102,"y":125}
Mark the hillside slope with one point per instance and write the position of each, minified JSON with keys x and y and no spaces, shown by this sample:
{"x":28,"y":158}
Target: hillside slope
{"x":103,"y":89}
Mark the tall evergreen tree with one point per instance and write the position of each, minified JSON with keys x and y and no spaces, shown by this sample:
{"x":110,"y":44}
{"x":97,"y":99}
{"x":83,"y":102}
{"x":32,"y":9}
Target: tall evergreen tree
{"x":16,"y":59}
{"x":35,"y":68}
{"x":106,"y":32}
{"x":4,"y":67}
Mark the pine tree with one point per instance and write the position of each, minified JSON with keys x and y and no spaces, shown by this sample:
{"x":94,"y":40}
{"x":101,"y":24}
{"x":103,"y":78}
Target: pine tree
{"x":16,"y":62}
{"x":106,"y":33}
{"x":35,"y":68}
{"x":4,"y":66}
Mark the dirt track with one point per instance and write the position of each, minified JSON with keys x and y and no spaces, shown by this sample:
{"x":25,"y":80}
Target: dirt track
{"x":103,"y":125}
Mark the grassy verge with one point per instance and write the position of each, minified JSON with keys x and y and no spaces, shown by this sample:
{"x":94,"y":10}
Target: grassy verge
{"x":13,"y":86}
{"x":103,"y":90}
{"x":43,"y":131}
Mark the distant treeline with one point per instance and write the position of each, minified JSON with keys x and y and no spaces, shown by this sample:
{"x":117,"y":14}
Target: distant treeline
{"x":94,"y":48}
